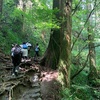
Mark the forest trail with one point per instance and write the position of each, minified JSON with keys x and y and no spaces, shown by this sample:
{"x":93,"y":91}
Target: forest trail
{"x":49,"y":84}
{"x":33,"y":83}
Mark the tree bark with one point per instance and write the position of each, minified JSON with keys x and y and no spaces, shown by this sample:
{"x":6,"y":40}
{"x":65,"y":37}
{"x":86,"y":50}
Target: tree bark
{"x":51,"y":56}
{"x":93,"y":72}
{"x":1,"y":3}
{"x":59,"y":48}
{"x":65,"y":55}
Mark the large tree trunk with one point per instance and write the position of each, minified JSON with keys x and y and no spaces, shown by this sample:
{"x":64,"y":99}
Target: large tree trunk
{"x":65,"y":55}
{"x":59,"y":49}
{"x":51,"y":56}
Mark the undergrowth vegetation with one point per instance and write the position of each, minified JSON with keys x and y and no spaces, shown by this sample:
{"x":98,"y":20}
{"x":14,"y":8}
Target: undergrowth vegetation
{"x":81,"y":88}
{"x":34,"y":22}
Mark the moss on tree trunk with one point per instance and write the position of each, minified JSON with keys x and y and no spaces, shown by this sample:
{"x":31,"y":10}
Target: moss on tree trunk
{"x":51,"y":57}
{"x":59,"y":50}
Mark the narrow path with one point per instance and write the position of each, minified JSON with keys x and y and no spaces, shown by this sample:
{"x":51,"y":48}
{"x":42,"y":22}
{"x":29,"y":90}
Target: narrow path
{"x":33,"y":82}
{"x":26,"y":86}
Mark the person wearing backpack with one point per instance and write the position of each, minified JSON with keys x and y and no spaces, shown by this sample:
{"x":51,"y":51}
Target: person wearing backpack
{"x":24,"y":48}
{"x":29,"y":47}
{"x":16,"y":59}
{"x":12,"y":52}
{"x":37,"y":49}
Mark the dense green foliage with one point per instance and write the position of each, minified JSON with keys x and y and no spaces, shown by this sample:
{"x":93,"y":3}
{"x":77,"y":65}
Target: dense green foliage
{"x":26,"y":24}
{"x":34,"y":22}
{"x":81,"y":88}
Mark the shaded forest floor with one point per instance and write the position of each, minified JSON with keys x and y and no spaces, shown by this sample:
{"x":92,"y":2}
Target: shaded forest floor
{"x":34,"y":82}
{"x":23,"y":87}
{"x":49,"y":84}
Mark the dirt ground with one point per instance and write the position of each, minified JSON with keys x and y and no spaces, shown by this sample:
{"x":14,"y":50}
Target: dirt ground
{"x":49,"y":85}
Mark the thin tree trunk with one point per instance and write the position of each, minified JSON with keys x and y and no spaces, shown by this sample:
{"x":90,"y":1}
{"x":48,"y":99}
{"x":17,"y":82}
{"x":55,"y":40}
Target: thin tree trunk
{"x":1,"y":3}
{"x":93,"y":71}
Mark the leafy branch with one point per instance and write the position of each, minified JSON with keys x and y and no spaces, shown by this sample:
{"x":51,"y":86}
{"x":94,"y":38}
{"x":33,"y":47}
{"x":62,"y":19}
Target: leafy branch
{"x":77,"y":73}
{"x":84,"y":24}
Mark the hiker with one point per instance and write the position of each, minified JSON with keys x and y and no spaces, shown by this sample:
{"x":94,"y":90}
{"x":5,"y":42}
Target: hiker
{"x":37,"y":49}
{"x":16,"y":59}
{"x":24,"y":48}
{"x":29,"y":46}
{"x":12,"y":52}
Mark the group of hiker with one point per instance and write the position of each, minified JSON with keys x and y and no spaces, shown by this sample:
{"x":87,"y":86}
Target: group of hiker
{"x":20,"y":53}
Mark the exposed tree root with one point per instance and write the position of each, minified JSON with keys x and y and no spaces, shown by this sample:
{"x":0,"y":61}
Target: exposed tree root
{"x":25,"y":78}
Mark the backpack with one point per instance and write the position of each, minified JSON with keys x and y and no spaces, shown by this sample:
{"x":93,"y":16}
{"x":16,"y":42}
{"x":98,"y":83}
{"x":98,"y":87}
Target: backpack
{"x":17,"y":50}
{"x":25,"y":46}
{"x":37,"y":48}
